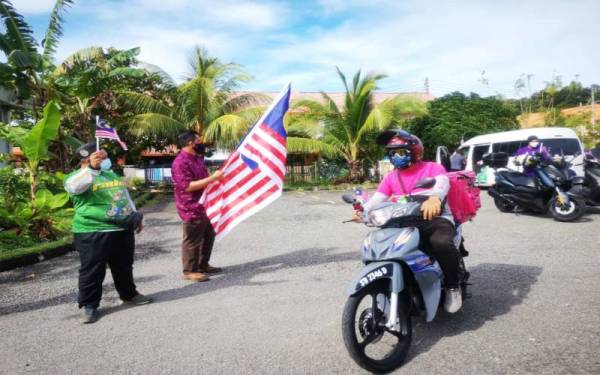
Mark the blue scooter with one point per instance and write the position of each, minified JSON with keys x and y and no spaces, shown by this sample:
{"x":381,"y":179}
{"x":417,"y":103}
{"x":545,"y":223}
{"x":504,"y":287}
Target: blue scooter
{"x":398,"y":280}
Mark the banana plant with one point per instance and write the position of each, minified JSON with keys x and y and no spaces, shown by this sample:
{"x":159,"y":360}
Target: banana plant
{"x":35,"y":142}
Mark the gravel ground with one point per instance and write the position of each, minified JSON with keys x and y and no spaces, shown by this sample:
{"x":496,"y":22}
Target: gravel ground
{"x":277,"y":308}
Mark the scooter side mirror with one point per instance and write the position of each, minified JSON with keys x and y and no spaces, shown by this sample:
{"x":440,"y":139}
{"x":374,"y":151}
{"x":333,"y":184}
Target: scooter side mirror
{"x":348,"y":198}
{"x":425,"y":183}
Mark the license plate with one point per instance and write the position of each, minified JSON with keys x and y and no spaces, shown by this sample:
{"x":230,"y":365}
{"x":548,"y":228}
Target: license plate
{"x":376,"y":274}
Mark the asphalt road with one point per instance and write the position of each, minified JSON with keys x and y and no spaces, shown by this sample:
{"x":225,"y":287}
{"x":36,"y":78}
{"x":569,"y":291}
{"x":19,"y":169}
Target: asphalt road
{"x":277,"y":308}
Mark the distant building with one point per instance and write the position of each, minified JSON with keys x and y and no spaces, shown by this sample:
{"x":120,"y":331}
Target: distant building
{"x":7,"y":101}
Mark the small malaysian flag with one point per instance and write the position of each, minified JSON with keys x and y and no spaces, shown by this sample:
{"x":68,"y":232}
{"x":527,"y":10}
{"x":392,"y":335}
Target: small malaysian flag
{"x":103,"y":130}
{"x":253,"y":174}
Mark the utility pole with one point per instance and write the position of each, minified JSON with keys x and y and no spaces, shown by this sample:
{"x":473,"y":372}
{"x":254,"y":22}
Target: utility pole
{"x":427,"y":86}
{"x":593,"y":108}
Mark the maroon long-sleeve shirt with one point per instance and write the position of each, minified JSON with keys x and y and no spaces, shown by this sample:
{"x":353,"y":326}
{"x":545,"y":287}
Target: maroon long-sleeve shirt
{"x":185,"y":169}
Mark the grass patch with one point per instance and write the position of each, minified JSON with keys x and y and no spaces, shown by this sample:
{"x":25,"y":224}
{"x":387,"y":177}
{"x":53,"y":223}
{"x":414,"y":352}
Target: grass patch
{"x":35,"y":249}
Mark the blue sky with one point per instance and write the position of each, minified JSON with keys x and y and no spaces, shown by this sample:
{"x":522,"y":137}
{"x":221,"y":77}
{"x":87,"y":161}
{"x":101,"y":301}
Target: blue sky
{"x":453,"y":43}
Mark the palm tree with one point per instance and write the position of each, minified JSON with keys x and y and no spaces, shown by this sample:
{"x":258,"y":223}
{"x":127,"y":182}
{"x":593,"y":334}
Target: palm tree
{"x":350,"y":130}
{"x":206,"y":103}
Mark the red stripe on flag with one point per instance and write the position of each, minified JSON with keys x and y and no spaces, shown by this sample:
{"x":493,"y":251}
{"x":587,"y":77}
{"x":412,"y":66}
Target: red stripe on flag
{"x":235,"y":187}
{"x":265,"y":160}
{"x":222,"y":226}
{"x":269,"y":147}
{"x":232,"y":205}
{"x":251,"y":190}
{"x":273,"y":134}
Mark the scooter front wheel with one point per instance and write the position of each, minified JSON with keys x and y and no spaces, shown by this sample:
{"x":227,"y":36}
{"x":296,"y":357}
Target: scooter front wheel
{"x":371,"y":344}
{"x":566,"y":212}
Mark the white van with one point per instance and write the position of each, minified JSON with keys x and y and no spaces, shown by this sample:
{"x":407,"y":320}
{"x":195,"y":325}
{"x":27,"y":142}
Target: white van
{"x":558,"y":141}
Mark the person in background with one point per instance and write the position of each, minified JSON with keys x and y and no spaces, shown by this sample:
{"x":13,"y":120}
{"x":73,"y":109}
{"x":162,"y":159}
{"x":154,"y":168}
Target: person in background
{"x":457,"y":161}
{"x":103,"y":226}
{"x":533,"y":147}
{"x":405,"y":151}
{"x":190,"y":178}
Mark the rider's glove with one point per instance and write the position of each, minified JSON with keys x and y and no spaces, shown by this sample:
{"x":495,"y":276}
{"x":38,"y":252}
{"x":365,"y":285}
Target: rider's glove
{"x":431,"y":208}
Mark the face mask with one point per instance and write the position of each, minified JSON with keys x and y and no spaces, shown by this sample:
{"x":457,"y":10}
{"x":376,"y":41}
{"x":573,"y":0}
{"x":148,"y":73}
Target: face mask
{"x":105,"y":165}
{"x":400,"y":161}
{"x":199,"y":149}
{"x":534,"y":144}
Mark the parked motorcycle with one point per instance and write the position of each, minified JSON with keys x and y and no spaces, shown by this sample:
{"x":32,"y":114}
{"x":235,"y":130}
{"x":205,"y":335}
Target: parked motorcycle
{"x":398,"y":281}
{"x":588,"y":187}
{"x":547,"y":190}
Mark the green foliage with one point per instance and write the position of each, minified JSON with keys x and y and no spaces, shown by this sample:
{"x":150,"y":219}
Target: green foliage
{"x":456,"y":116}
{"x":204,"y":103}
{"x":45,"y":217}
{"x":350,"y":131}
{"x":35,"y":143}
{"x":555,"y":95}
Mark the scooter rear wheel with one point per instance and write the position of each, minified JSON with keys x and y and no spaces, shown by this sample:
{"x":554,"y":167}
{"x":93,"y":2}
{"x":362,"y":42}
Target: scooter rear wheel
{"x":503,"y":206}
{"x":363,"y":328}
{"x":574,"y":211}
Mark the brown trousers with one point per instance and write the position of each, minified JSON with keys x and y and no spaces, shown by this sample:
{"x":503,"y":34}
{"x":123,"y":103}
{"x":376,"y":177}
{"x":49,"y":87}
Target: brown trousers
{"x":197,"y":244}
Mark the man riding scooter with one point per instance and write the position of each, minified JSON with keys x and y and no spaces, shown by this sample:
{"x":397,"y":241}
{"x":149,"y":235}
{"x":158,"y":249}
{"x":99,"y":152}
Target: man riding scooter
{"x":533,"y":147}
{"x":405,"y":152}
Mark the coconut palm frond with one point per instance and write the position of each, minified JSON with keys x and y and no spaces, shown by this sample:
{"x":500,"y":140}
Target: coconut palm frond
{"x":239,"y":102}
{"x":140,"y":104}
{"x":311,"y":146}
{"x":55,"y":29}
{"x":227,"y":131}
{"x":156,"y":125}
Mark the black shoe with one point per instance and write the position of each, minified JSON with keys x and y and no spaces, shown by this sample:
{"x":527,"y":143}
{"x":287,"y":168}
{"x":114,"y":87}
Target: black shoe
{"x":90,"y":315}
{"x":138,"y":299}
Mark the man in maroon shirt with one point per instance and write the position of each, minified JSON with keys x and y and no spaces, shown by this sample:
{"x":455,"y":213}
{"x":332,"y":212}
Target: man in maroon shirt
{"x":190,"y":177}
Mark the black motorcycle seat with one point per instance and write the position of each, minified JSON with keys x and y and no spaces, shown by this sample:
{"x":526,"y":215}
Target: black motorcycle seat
{"x":518,"y":178}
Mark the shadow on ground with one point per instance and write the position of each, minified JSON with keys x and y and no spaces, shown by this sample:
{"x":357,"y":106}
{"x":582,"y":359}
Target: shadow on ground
{"x":240,"y":274}
{"x":496,"y":289}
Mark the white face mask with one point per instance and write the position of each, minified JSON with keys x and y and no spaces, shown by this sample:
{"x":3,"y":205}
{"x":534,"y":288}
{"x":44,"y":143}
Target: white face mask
{"x":106,"y":165}
{"x":534,"y":144}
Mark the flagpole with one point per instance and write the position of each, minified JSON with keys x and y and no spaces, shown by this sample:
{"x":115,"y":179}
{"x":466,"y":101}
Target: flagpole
{"x":97,"y":139}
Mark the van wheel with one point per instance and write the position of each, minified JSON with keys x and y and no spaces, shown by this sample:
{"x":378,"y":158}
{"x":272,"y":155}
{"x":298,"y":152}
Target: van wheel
{"x":503,"y":206}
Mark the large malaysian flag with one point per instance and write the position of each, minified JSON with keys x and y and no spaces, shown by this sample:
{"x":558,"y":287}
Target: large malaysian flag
{"x":103,"y":130}
{"x":253,"y":174}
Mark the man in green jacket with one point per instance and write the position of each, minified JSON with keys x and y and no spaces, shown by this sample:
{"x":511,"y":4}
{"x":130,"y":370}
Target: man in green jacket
{"x":103,"y":227}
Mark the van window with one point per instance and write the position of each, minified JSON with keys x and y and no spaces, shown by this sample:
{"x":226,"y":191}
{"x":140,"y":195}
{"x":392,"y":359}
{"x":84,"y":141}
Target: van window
{"x":558,"y":146}
{"x":478,"y":152}
{"x":509,"y":147}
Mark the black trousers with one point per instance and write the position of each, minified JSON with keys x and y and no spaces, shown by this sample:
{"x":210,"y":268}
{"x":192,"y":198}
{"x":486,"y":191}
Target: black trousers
{"x":437,"y":240}
{"x":197,"y":245}
{"x":96,"y":251}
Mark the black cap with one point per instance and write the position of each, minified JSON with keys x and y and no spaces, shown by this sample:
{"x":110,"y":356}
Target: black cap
{"x":85,"y":150}
{"x":532,"y":138}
